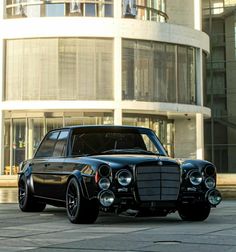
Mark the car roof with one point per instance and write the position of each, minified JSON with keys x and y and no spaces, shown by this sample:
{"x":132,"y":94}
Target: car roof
{"x":103,"y":127}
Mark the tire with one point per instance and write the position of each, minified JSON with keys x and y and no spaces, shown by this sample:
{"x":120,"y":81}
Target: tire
{"x":27,"y":203}
{"x":194,"y":212}
{"x":80,"y":210}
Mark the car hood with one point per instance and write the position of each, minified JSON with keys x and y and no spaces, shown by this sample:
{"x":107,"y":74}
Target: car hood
{"x":130,"y":159}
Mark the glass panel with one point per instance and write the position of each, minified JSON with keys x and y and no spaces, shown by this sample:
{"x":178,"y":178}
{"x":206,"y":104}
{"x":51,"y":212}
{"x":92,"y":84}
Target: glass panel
{"x":59,"y":69}
{"x":35,"y":134}
{"x":149,"y":71}
{"x":7,"y":146}
{"x":183,"y":88}
{"x":129,"y":8}
{"x":54,"y":10}
{"x":128,"y":70}
{"x":53,"y":123}
{"x":47,"y":147}
{"x":90,"y":10}
{"x":18,"y":145}
{"x":60,"y":147}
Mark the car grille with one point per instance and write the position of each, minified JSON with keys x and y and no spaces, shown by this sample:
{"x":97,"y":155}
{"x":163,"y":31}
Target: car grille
{"x":158,"y":183}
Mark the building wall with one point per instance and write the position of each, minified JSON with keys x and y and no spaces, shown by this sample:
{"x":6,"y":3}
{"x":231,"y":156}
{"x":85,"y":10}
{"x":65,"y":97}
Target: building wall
{"x":220,"y":130}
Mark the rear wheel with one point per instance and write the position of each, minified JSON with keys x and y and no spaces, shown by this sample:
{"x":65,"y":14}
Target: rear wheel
{"x":194,"y":212}
{"x":79,"y":209}
{"x":27,"y":203}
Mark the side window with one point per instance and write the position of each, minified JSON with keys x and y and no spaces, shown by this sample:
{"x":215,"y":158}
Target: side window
{"x":60,"y":147}
{"x":47,"y":146}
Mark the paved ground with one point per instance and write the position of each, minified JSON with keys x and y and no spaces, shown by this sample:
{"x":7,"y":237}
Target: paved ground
{"x":51,"y":231}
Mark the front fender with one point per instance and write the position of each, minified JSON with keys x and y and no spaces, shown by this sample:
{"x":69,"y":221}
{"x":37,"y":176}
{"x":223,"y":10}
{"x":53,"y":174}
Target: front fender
{"x":83,"y":182}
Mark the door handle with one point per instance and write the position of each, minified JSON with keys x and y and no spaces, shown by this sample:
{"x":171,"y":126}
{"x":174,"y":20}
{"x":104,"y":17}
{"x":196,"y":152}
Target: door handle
{"x":47,"y":164}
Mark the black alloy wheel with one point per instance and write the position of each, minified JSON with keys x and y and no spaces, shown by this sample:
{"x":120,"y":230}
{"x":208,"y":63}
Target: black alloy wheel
{"x":27,"y":203}
{"x":79,"y":209}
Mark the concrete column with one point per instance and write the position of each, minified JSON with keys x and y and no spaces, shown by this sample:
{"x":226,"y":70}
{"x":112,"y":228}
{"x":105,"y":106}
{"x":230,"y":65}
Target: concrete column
{"x":185,"y":138}
{"x":199,"y":136}
{"x":117,"y":65}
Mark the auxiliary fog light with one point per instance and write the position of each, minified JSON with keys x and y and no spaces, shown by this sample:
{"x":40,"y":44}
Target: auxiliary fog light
{"x":214,"y":197}
{"x":106,"y":198}
{"x":104,"y":183}
{"x":210,"y":182}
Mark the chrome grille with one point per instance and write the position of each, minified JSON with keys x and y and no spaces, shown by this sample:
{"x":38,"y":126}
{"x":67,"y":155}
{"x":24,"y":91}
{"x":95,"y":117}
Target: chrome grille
{"x":158,"y":183}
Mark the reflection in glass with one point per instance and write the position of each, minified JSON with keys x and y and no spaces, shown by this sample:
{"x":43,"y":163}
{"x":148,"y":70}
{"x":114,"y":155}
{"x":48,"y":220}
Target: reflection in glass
{"x":129,"y":8}
{"x":18,"y":144}
{"x":76,"y":68}
{"x":57,"y":8}
{"x":150,"y":70}
{"x":54,"y":10}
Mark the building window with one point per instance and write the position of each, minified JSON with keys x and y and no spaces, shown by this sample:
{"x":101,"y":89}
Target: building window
{"x":159,"y":72}
{"x":23,"y":133}
{"x":145,"y":10}
{"x":59,"y":69}
{"x":163,"y":127}
{"x":55,"y":8}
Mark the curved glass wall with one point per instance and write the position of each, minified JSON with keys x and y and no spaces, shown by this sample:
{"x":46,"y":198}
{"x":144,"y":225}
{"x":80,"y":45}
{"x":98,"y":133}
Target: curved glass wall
{"x":57,"y":8}
{"x":23,"y":133}
{"x":158,"y":72}
{"x":153,"y":10}
{"x":59,"y":69}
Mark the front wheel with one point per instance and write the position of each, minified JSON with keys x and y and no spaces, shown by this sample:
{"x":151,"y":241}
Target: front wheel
{"x":194,"y":212}
{"x":27,"y":203}
{"x":79,"y":209}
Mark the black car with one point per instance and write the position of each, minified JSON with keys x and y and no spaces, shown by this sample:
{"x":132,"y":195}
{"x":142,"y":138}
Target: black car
{"x":114,"y":168}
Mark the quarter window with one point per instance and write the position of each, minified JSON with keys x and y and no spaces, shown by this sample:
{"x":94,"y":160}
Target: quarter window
{"x":47,"y":146}
{"x":60,"y":146}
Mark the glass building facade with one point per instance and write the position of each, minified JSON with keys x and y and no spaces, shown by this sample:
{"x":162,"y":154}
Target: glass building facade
{"x":100,"y":62}
{"x":219,"y":21}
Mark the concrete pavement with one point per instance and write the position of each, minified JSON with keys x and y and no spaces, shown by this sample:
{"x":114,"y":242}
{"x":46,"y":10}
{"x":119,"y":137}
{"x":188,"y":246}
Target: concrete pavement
{"x":52,"y":232}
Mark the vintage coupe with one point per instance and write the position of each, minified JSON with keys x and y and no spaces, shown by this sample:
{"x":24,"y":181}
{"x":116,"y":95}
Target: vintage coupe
{"x":114,"y":168}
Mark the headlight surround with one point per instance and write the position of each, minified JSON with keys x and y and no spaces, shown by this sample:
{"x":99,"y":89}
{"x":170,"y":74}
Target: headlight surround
{"x":124,"y":177}
{"x":210,"y":182}
{"x":104,"y":183}
{"x":195,"y":178}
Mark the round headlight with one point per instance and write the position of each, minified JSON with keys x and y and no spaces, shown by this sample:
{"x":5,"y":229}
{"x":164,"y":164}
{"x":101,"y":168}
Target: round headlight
{"x":106,"y":198}
{"x":214,"y":197}
{"x":195,"y":177}
{"x":124,"y":177}
{"x":104,"y":170}
{"x":210,"y":182}
{"x":104,"y":183}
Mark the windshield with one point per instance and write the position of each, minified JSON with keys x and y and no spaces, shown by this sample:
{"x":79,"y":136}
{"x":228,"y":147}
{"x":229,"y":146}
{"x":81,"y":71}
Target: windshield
{"x":104,"y":142}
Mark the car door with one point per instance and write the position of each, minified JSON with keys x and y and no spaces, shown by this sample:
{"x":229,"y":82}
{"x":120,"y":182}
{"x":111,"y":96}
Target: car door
{"x":41,"y":161}
{"x":55,"y":175}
